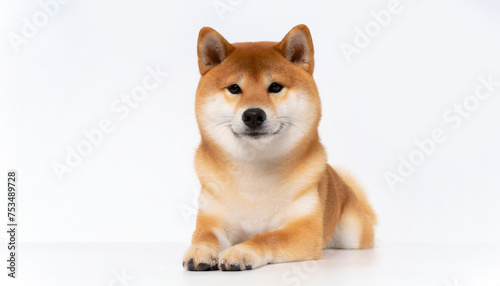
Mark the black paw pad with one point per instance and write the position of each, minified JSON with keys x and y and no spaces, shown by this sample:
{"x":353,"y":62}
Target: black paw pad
{"x":248,"y":267}
{"x":235,"y":267}
{"x":203,"y":266}
{"x":223,"y":267}
{"x":191,"y":265}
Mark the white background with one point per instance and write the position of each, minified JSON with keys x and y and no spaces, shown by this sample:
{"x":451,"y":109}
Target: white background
{"x":139,"y":183}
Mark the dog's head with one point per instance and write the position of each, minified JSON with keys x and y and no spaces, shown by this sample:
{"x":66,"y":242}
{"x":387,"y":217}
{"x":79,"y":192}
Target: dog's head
{"x":257,"y":100}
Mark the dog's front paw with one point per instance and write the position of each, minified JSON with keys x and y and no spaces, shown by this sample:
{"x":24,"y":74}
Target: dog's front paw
{"x":239,"y":257}
{"x":200,"y":257}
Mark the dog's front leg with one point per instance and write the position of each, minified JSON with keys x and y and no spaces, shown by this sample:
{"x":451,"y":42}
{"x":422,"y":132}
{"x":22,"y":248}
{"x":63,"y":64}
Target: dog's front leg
{"x":202,"y":255}
{"x":298,"y":240}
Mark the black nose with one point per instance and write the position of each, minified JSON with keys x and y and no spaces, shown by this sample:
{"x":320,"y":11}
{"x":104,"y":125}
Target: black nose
{"x":253,"y":117}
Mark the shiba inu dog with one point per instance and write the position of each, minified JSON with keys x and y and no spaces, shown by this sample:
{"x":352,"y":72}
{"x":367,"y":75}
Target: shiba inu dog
{"x":268,"y":194}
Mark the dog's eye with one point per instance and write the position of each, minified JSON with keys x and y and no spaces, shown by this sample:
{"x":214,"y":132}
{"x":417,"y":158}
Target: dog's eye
{"x":275,"y":87}
{"x":234,"y":89}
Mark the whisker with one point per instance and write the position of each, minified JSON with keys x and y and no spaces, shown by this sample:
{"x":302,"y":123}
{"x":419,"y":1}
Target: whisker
{"x":222,"y":125}
{"x":293,"y":125}
{"x":223,"y":122}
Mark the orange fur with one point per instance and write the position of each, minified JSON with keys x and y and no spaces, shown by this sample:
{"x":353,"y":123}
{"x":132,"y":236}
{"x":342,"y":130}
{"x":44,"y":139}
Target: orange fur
{"x":275,"y":199}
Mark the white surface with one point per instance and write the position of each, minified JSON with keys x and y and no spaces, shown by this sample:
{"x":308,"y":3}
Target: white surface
{"x":160,"y":264}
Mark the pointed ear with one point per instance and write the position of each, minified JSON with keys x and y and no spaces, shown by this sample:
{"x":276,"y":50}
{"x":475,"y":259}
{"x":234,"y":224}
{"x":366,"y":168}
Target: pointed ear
{"x":297,"y":47}
{"x":212,"y":49}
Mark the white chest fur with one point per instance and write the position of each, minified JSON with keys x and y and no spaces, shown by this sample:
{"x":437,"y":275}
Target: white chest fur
{"x":260,"y":203}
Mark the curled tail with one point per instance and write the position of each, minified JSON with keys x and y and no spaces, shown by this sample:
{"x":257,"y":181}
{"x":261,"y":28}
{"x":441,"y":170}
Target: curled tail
{"x":360,"y":195}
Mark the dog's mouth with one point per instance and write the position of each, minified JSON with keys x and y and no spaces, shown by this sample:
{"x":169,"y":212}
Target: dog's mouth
{"x":257,"y":134}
